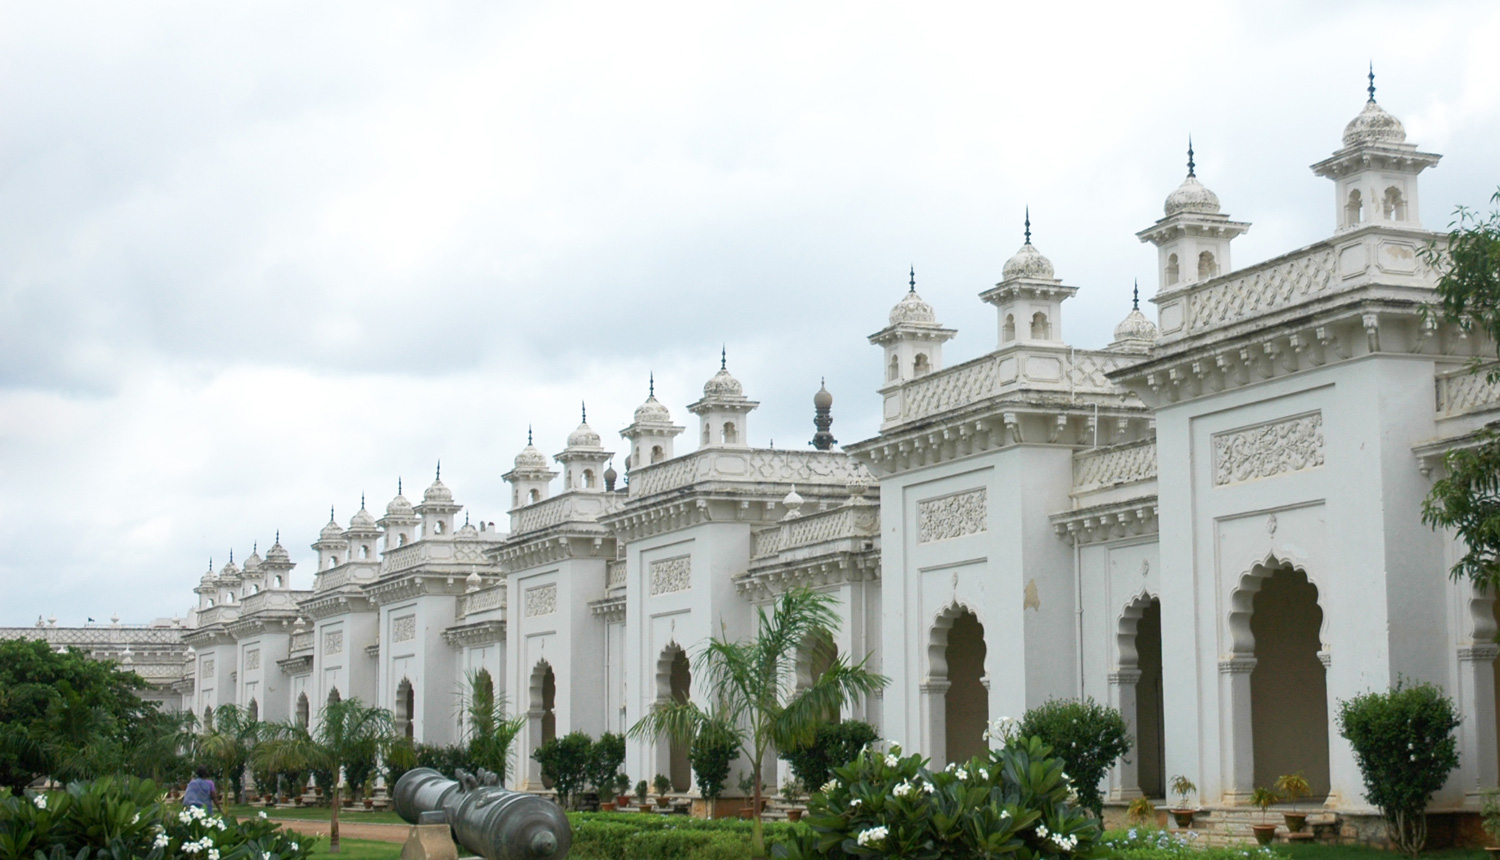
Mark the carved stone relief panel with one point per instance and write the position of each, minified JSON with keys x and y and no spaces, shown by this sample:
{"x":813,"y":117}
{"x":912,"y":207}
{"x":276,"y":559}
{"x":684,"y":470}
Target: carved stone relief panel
{"x":952,"y":516}
{"x":208,"y":668}
{"x":252,"y":659}
{"x":404,"y":628}
{"x":1266,"y":450}
{"x":333,"y":642}
{"x":670,"y":575}
{"x":541,"y":600}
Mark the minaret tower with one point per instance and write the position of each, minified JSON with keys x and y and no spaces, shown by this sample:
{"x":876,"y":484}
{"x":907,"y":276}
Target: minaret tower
{"x":723,"y":411}
{"x":1028,"y":300}
{"x":330,"y":544}
{"x":1375,"y":173}
{"x":914,"y":340}
{"x":823,"y":418}
{"x":530,"y":480}
{"x":1192,"y":238}
{"x":584,"y":458}
{"x":651,"y":433}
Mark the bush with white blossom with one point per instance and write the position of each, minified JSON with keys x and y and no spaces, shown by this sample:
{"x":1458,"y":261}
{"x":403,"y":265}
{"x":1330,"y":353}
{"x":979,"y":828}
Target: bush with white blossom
{"x":1012,"y":801}
{"x":1089,"y":736}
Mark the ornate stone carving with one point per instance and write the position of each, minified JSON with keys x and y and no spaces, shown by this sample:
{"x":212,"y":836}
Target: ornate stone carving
{"x":404,"y":628}
{"x":1462,"y":391}
{"x":489,"y":598}
{"x":1111,"y":467}
{"x":952,"y":516}
{"x":1262,"y":290}
{"x":252,"y":659}
{"x":669,"y":575}
{"x":207,"y":672}
{"x":541,"y":600}
{"x":1266,"y":450}
{"x":333,"y":642}
{"x":1237,"y":666}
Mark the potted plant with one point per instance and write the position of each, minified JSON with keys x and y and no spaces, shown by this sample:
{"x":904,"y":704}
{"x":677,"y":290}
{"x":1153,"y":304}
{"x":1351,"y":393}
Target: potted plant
{"x":1182,"y":813}
{"x":622,"y":791}
{"x":662,"y":784}
{"x":369,"y":794}
{"x":791,"y":792}
{"x":1141,"y":812}
{"x":1293,"y":786}
{"x":747,"y":789}
{"x":1265,"y":831}
{"x":1490,"y":813}
{"x":641,"y":791}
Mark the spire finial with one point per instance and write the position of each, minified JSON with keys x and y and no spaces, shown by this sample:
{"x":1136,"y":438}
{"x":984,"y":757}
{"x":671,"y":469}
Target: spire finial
{"x":1372,"y":81}
{"x":1135,"y":296}
{"x":652,"y":388}
{"x":1028,"y":224}
{"x":361,"y":499}
{"x":914,"y":277}
{"x":585,"y":409}
{"x":278,"y":535}
{"x":723,"y":357}
{"x":330,"y":514}
{"x":398,"y":485}
{"x":439,"y":476}
{"x":231,"y":555}
{"x":528,"y":434}
{"x":1190,"y":157}
{"x":254,"y":547}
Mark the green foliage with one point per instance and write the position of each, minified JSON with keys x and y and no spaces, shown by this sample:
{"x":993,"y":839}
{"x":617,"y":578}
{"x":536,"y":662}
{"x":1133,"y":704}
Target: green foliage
{"x":1142,"y":811}
{"x":1490,"y":813}
{"x":1403,"y":742}
{"x":127,"y":819}
{"x":605,"y":758}
{"x":1148,"y":843}
{"x":67,"y":716}
{"x":566,"y":762}
{"x":491,"y":733}
{"x":400,"y":757}
{"x":714,"y":750}
{"x":227,"y":744}
{"x":612,"y":836}
{"x":642,"y":791}
{"x":1182,"y":787}
{"x":1263,"y":798}
{"x":1293,"y":786}
{"x":1086,"y":735}
{"x":1013,"y":801}
{"x":443,"y":759}
{"x":1467,"y":498}
{"x":833,"y":745}
{"x":752,"y":686}
{"x":662,"y":783}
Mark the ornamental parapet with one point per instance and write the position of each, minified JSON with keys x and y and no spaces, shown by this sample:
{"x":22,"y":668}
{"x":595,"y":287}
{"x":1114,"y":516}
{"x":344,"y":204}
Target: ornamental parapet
{"x":1465,"y":390}
{"x":567,"y":507}
{"x":1111,"y":521}
{"x":720,"y":466}
{"x":1010,"y":371}
{"x":1099,"y":469}
{"x":860,"y":520}
{"x":485,"y":600}
{"x":614,"y":575}
{"x":273,"y":601}
{"x":450,"y":553}
{"x":302,"y":641}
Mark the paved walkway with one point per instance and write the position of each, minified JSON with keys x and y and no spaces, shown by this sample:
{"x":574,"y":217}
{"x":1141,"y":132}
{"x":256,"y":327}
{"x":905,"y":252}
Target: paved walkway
{"x":348,"y":829}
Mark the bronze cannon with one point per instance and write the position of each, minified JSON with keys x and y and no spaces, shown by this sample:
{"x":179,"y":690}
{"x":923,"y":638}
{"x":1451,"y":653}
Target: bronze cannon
{"x":488,"y":820}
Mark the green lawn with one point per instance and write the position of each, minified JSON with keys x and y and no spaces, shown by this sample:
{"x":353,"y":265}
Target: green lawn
{"x":1361,"y":852}
{"x":319,"y":813}
{"x":360,"y":849}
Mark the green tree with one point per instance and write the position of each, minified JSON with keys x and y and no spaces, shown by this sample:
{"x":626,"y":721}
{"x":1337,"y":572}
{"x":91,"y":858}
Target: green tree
{"x":346,"y":732}
{"x":227,"y":744}
{"x":1467,"y":498}
{"x":491,"y":733}
{"x":1087,"y":736}
{"x":833,"y":745}
{"x":63,"y":714}
{"x":752,"y":684}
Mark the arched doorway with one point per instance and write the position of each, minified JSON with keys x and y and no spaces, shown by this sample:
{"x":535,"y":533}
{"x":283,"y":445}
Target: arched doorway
{"x":1150,"y":711}
{"x":1288,"y":684}
{"x":959,"y":670}
{"x":674,"y":683}
{"x":406,"y":708}
{"x":304,"y":711}
{"x":333,"y":696}
{"x":254,"y":711}
{"x":208,"y":718}
{"x":541,"y":716}
{"x":815,"y":657}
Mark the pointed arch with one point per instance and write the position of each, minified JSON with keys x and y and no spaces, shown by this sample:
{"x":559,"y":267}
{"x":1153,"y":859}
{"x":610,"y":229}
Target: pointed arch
{"x":957,"y":686}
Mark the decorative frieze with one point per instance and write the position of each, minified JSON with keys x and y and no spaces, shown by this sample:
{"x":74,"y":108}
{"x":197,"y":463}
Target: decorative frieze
{"x":207,"y":670}
{"x":333,"y":642}
{"x":404,"y":628}
{"x":485,"y":599}
{"x":541,"y":600}
{"x":1101,"y":468}
{"x":1289,"y":282}
{"x":252,"y":659}
{"x":669,"y":575}
{"x":1266,"y":450}
{"x":1466,"y":391}
{"x":952,"y":516}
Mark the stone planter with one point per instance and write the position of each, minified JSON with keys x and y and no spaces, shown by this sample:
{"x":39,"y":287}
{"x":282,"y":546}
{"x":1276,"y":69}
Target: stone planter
{"x":607,"y":806}
{"x":1183,"y":817}
{"x":1264,"y":833}
{"x":643,"y":806}
{"x":794,"y":815}
{"x":662,"y":801}
{"x":1295,"y":821}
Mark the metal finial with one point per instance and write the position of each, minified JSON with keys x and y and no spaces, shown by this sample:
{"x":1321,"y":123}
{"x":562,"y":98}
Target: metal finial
{"x":1135,"y":296}
{"x":585,"y":409}
{"x":330,"y":514}
{"x":210,"y":563}
{"x":278,"y":535}
{"x":361,"y":499}
{"x":231,"y":555}
{"x":723,"y":357}
{"x":1190,"y":156}
{"x":914,"y":278}
{"x":439,"y":470}
{"x":1372,"y":80}
{"x":528,"y":434}
{"x":398,"y":485}
{"x":652,"y":388}
{"x":254,"y":547}
{"x":1028,"y":225}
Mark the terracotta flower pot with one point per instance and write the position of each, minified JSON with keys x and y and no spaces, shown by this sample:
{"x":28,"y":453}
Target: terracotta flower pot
{"x":643,"y":806}
{"x":607,"y":806}
{"x":747,"y":814}
{"x":1264,"y":833}
{"x":1295,"y":821}
{"x":1184,"y":817}
{"x":794,"y":815}
{"x":662,"y":801}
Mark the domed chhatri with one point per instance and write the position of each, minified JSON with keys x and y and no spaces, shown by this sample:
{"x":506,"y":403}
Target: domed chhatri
{"x":1028,"y":262}
{"x":437,"y":492}
{"x":399,"y":506}
{"x":362,"y":520}
{"x":652,"y":412}
{"x":723,"y":383}
{"x":1135,"y":333}
{"x":911,"y":309}
{"x":1192,"y":195}
{"x":1374,"y":124}
{"x":584,"y":436}
{"x":331,"y":531}
{"x":531,"y":458}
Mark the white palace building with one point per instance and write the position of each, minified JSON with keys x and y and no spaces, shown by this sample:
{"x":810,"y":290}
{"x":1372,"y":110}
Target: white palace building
{"x":1211,"y":523}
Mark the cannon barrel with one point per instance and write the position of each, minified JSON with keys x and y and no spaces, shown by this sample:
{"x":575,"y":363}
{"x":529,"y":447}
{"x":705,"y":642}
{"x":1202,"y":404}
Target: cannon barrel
{"x":494,"y":823}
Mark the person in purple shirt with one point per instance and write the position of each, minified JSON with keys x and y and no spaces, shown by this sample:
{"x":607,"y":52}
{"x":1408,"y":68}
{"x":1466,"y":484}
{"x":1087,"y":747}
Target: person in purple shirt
{"x":202,"y":792}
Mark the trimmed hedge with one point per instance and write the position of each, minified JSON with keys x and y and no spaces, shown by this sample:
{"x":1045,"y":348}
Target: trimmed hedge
{"x":641,"y":836}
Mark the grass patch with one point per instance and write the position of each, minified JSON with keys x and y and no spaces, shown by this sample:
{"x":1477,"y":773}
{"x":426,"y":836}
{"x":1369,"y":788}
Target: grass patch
{"x":319,"y":813}
{"x":1364,"y":852}
{"x":359,"y":849}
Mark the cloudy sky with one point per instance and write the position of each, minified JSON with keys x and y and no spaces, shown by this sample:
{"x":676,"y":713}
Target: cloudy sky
{"x":256,"y":259}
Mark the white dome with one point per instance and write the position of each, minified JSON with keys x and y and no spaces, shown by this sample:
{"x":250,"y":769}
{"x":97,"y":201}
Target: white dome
{"x":278,"y":553}
{"x":1135,"y":326}
{"x":253,"y":561}
{"x":1374,"y":125}
{"x":1028,"y":263}
{"x":531,"y":458}
{"x":437,"y":492}
{"x":399,"y":506}
{"x":652,"y":412}
{"x":722,"y":384}
{"x":362,"y":520}
{"x":584,"y":437}
{"x":1192,"y":196}
{"x":332,"y":531}
{"x":911,"y":309}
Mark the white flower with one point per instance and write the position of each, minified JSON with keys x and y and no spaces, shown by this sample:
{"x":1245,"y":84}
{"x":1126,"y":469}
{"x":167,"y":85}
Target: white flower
{"x":984,"y":773}
{"x":191,"y":847}
{"x":162,"y":841}
{"x":929,"y":787}
{"x":1042,"y":831}
{"x":185,"y":816}
{"x":222,"y":825}
{"x":135,"y":819}
{"x":295,"y":848}
{"x":1005,"y":813}
{"x":891,"y":760}
{"x":1065,"y":777}
{"x":853,"y":803}
{"x":903,"y":789}
{"x":213,"y":854}
{"x":830,"y":786}
{"x":963,"y":775}
{"x":265,"y":855}
{"x":40,"y":800}
{"x":262,"y":813}
{"x":873,"y":836}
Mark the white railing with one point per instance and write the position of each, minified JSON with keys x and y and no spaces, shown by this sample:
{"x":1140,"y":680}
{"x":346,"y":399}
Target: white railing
{"x":759,"y":465}
{"x":842,"y":522}
{"x":614,"y":574}
{"x":121,"y":635}
{"x":493,"y":597}
{"x":973,"y":381}
{"x":1461,"y":391}
{"x":1108,"y":467}
{"x":301,"y":641}
{"x":1228,"y":300}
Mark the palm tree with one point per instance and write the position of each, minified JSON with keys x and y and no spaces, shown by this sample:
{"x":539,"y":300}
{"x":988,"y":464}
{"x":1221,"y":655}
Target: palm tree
{"x":229,"y":741}
{"x":490,"y":732}
{"x":753,"y":686}
{"x":347,"y":731}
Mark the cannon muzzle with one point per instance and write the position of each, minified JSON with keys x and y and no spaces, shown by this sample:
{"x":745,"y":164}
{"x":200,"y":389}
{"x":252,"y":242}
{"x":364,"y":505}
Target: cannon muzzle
{"x":494,"y":823}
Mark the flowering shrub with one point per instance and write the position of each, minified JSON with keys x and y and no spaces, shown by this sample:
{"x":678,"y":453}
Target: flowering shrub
{"x":127,"y":818}
{"x":1087,"y":736}
{"x":1148,"y":843}
{"x":1015,"y":801}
